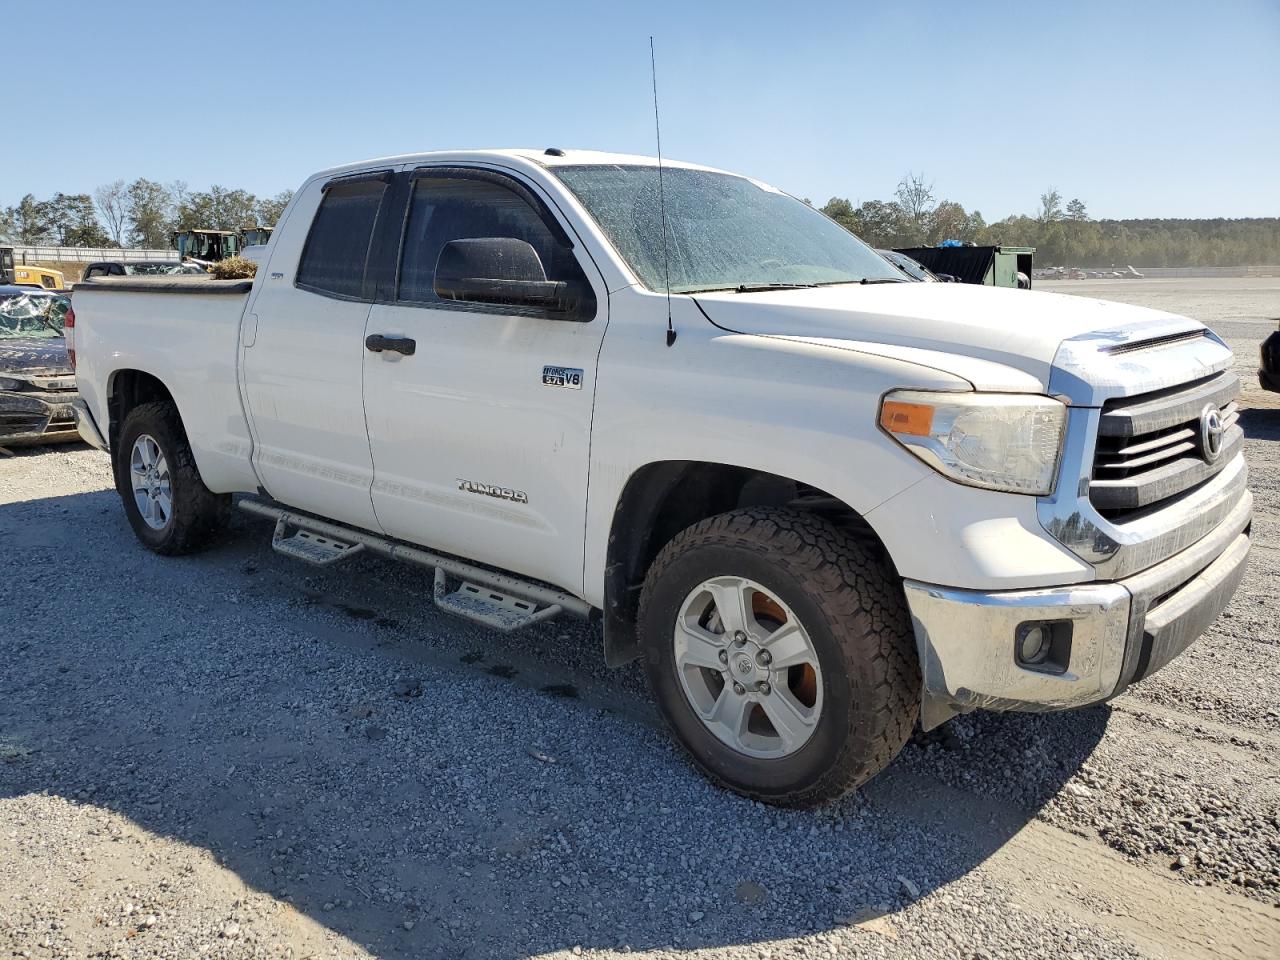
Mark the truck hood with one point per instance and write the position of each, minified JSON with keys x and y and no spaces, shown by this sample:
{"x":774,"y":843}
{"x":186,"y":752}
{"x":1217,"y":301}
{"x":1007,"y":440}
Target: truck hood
{"x":27,"y":355}
{"x":1021,"y":329}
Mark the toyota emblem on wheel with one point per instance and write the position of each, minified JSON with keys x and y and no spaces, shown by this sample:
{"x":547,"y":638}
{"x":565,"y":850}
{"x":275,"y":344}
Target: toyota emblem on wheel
{"x":1211,"y":431}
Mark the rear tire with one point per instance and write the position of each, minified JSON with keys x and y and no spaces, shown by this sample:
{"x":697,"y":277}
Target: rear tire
{"x":170,"y":509}
{"x":855,"y":690}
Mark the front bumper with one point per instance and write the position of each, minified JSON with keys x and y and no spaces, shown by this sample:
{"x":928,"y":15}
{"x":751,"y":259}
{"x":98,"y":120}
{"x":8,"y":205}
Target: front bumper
{"x":37,"y":416}
{"x":1117,"y":632}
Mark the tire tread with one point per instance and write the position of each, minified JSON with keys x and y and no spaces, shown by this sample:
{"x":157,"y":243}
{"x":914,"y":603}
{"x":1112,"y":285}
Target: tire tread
{"x":863,"y":600}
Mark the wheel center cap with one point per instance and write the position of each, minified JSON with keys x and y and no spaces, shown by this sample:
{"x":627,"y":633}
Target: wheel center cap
{"x":744,"y":665}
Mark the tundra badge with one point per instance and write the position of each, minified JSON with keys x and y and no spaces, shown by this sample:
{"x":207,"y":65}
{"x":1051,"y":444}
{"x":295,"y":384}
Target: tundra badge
{"x":568,"y":377}
{"x":488,"y":490}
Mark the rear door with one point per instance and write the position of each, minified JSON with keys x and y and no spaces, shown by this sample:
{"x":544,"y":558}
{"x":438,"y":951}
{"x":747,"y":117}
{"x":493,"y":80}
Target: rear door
{"x":303,"y":353}
{"x":481,"y":436}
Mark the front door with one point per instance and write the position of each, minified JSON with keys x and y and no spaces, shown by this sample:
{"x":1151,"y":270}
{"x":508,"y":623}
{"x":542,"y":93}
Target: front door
{"x":481,"y":436}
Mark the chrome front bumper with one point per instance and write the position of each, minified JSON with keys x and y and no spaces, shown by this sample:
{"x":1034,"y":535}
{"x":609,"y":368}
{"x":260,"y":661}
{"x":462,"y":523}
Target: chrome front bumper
{"x":1119,"y":632}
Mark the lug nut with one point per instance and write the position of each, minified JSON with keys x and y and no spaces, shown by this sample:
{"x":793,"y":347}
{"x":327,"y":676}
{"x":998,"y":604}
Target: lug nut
{"x":724,"y":656}
{"x":764,"y":658}
{"x":739,"y":638}
{"x":764,"y":688}
{"x":738,"y":688}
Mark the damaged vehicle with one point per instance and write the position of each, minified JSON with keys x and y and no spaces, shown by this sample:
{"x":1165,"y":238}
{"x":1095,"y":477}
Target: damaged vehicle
{"x":37,"y":383}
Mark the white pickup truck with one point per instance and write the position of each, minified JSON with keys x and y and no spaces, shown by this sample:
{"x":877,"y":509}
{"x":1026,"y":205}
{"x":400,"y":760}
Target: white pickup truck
{"x":821,"y":502}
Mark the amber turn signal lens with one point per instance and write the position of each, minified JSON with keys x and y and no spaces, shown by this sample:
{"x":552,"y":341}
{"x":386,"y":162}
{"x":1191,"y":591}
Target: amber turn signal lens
{"x":913,"y":419}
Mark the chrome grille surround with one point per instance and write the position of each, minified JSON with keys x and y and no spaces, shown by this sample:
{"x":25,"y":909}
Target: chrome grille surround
{"x":1143,"y":359}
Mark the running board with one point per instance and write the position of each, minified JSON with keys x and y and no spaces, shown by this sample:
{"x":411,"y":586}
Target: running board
{"x":487,"y":606}
{"x":502,"y":601}
{"x":317,"y":549}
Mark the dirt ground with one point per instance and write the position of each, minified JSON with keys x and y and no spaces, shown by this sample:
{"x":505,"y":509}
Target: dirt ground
{"x":233,"y":755}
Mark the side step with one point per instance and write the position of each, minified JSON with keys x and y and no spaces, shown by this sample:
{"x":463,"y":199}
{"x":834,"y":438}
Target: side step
{"x":487,"y":606}
{"x":314,"y":548}
{"x":498,"y":600}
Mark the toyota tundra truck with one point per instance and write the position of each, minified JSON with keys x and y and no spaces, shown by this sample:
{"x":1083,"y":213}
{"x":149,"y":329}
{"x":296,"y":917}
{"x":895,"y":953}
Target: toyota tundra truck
{"x":822,"y":503}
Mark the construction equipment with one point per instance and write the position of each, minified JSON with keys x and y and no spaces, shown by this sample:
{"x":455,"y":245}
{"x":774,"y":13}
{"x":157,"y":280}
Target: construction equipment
{"x":207,"y":246}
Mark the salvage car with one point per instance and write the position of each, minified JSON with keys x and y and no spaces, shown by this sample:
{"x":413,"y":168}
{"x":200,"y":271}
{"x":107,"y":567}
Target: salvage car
{"x":912,"y":268}
{"x":818,"y":500}
{"x":141,"y":268}
{"x":37,"y":383}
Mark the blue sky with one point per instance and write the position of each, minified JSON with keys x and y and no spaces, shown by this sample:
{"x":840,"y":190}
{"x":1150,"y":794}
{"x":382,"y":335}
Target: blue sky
{"x":1140,"y":108}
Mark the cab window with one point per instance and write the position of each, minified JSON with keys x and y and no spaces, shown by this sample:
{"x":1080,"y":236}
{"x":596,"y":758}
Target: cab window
{"x":447,"y":208}
{"x":337,"y":249}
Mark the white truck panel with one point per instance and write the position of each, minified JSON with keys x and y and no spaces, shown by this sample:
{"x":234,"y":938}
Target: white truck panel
{"x":782,"y":406}
{"x":188,"y":342}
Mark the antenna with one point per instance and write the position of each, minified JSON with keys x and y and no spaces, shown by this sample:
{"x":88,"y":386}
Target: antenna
{"x":662,"y":196}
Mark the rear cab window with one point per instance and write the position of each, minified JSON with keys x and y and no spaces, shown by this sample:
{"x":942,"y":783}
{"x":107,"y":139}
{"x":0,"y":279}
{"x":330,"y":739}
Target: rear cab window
{"x":335,"y":258}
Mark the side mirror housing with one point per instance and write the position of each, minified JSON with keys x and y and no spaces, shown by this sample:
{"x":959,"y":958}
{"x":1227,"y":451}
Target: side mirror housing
{"x":498,"y":270}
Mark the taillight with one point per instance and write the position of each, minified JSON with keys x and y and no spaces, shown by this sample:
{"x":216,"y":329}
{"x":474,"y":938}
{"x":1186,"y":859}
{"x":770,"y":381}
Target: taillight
{"x":69,"y":330}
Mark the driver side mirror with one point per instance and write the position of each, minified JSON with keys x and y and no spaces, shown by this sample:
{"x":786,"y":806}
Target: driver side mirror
{"x":498,"y":270}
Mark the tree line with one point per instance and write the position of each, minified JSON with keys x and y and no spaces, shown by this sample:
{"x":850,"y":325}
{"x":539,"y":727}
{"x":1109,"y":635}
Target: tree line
{"x":143,"y":213}
{"x":1061,"y":230}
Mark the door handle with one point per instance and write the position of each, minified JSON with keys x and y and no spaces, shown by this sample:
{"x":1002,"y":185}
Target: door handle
{"x":377,"y":343}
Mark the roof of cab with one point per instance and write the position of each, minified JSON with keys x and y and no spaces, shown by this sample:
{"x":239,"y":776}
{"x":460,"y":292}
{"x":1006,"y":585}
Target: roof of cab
{"x":564,"y":157}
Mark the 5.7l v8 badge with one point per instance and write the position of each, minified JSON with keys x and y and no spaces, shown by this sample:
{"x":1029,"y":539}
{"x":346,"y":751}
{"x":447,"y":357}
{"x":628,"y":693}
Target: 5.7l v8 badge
{"x":568,"y":377}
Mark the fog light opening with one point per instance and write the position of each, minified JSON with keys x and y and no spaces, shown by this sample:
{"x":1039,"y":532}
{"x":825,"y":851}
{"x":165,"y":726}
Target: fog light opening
{"x":1043,"y":645}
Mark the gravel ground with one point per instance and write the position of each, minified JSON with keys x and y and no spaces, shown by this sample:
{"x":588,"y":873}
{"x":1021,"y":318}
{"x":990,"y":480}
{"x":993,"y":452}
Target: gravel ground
{"x":232,"y":755}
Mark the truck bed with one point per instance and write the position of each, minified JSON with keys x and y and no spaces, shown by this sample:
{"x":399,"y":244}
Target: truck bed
{"x":185,"y":333}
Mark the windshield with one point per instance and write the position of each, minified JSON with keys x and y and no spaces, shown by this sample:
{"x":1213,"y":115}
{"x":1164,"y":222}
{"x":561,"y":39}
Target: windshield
{"x":32,"y":315}
{"x":724,"y":231}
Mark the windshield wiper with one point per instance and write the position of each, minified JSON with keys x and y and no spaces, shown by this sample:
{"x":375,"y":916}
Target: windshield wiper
{"x":762,"y":287}
{"x":865,"y":280}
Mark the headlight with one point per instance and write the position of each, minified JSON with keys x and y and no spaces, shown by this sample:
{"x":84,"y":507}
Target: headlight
{"x":999,"y":441}
{"x":8,"y":383}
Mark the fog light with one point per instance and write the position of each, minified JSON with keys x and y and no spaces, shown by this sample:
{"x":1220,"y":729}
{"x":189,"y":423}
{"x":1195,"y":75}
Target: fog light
{"x":1034,"y":643}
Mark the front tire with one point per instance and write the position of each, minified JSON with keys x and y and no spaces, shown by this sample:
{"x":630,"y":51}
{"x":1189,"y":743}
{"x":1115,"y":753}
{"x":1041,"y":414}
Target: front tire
{"x":781,"y":653}
{"x":170,"y":509}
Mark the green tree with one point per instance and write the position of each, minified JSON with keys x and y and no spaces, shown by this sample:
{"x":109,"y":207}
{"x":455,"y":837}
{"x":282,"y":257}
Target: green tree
{"x":218,"y":208}
{"x":1050,"y":206}
{"x":28,"y":221}
{"x":150,"y":206}
{"x":73,"y":222}
{"x":948,"y":221}
{"x":269,"y":209}
{"x":1076,"y":210}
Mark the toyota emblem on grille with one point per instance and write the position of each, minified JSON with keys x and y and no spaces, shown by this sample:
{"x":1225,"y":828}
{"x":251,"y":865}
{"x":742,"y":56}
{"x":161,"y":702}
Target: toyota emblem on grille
{"x":1211,"y":431}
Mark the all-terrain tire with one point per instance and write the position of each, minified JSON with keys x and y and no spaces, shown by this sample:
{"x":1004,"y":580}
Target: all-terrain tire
{"x":198,"y":514}
{"x":851,"y":603}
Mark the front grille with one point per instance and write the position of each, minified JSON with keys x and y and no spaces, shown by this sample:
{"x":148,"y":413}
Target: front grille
{"x":1150,"y":447}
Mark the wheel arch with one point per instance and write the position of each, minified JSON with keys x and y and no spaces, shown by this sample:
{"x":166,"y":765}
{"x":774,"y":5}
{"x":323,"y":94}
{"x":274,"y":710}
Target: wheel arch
{"x":663,"y":498}
{"x":126,"y":389}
